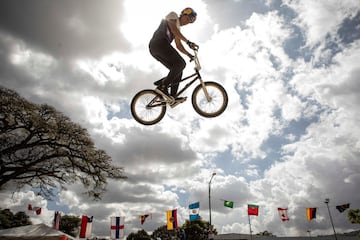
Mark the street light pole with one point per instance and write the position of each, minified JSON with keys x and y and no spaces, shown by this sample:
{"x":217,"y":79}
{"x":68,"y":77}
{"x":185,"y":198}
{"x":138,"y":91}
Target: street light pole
{"x":327,"y":200}
{"x":213,"y":174}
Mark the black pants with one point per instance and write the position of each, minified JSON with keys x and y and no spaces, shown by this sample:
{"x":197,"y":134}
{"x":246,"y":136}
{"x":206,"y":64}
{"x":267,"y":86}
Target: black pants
{"x":162,"y":51}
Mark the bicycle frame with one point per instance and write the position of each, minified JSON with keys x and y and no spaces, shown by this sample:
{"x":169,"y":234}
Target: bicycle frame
{"x":196,"y":76}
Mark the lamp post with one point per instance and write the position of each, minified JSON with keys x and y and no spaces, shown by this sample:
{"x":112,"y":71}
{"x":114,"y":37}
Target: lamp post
{"x":213,"y":174}
{"x":327,"y":200}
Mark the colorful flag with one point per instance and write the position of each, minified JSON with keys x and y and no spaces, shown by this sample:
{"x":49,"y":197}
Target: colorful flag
{"x":117,"y":227}
{"x":143,"y":218}
{"x":310,"y":213}
{"x":343,"y":207}
{"x":171,"y":218}
{"x":194,"y":209}
{"x":86,"y":227}
{"x":37,"y":210}
{"x":253,"y":209}
{"x":283,"y":214}
{"x":57,"y":218}
{"x":229,"y":204}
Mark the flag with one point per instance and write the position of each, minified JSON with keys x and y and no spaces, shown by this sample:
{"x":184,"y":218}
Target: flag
{"x":343,"y":207}
{"x":57,"y":218}
{"x":37,"y":210}
{"x":117,"y":227}
{"x":171,"y":218}
{"x":253,"y":209}
{"x":194,"y":209}
{"x":283,"y":214}
{"x":86,"y":227}
{"x":143,"y":218}
{"x":228,"y":204}
{"x":310,"y":213}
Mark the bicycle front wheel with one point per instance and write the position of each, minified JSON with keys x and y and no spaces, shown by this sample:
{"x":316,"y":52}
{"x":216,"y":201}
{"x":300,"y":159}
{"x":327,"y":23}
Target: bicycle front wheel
{"x":211,"y":104}
{"x":147,"y":107}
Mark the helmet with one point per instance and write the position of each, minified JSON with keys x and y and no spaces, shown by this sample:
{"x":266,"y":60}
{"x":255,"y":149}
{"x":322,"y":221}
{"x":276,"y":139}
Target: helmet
{"x":189,"y":12}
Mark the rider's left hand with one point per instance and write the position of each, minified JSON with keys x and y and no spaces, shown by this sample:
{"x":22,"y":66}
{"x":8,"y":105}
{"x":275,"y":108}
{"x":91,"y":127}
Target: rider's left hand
{"x":192,"y":45}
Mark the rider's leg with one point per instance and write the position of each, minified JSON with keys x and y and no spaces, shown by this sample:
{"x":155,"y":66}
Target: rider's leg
{"x":171,"y":59}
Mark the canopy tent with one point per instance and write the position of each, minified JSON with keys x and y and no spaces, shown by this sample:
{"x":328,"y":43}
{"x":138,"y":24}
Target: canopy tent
{"x":32,"y":232}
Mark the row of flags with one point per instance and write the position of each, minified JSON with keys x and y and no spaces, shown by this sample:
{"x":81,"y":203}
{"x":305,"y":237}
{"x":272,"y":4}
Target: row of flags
{"x":253,"y":210}
{"x":117,"y":224}
{"x":311,"y":212}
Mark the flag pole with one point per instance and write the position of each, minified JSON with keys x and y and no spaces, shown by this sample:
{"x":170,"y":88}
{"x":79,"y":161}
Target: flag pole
{"x":327,"y":200}
{"x":250,"y":227}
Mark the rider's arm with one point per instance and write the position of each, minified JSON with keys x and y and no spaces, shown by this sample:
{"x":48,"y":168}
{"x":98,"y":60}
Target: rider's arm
{"x":178,"y":37}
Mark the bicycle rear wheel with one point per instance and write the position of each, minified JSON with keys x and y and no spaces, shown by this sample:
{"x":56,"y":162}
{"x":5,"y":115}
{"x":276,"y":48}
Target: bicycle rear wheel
{"x":147,"y":107}
{"x":214,"y":106}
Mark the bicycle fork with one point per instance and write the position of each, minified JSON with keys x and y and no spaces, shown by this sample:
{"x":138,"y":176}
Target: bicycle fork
{"x":207,"y":95}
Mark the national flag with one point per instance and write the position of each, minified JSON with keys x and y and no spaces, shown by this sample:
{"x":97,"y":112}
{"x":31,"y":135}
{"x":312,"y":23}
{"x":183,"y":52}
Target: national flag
{"x":57,"y":218}
{"x":86,"y":227}
{"x":310,"y":213}
{"x":283,"y":214}
{"x":171,"y":218}
{"x":143,"y":218}
{"x":37,"y":210}
{"x":229,"y":204}
{"x":117,"y":227}
{"x":253,"y":209}
{"x":343,"y":207}
{"x":194,"y":209}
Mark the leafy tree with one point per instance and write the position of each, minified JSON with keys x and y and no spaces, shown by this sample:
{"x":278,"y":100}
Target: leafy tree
{"x":197,"y":229}
{"x":139,"y":235}
{"x":354,"y":215}
{"x":10,"y":220}
{"x":160,"y":232}
{"x":70,"y":225}
{"x":40,"y":147}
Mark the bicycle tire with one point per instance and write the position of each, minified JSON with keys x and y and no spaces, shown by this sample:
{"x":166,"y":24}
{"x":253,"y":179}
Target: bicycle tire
{"x":214,"y":107}
{"x":148,"y":107}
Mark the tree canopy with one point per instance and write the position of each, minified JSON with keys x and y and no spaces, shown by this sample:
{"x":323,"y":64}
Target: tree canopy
{"x":354,"y":215}
{"x":70,"y":225}
{"x":42,"y":148}
{"x":9,"y":220}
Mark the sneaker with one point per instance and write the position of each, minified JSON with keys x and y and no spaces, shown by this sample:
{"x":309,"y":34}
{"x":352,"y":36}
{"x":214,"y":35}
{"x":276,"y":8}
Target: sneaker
{"x":162,"y":90}
{"x":177,"y":101}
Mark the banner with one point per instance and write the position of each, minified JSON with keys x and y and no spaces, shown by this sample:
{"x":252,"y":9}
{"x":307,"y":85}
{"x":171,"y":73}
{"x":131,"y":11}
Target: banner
{"x":171,"y":219}
{"x":194,"y":209}
{"x":117,"y":227}
{"x":86,"y":227}
{"x":253,"y":209}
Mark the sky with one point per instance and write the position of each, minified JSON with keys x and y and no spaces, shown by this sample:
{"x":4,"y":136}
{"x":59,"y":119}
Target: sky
{"x":288,"y":138}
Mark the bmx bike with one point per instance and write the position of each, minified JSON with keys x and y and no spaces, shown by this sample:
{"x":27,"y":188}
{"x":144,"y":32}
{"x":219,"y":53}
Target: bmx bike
{"x":209,"y":99}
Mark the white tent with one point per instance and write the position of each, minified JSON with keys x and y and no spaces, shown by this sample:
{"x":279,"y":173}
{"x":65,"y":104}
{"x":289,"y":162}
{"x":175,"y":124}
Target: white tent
{"x":32,"y":232}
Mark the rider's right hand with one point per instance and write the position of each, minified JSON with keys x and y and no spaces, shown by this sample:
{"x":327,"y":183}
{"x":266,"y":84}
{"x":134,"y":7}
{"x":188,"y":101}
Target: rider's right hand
{"x":191,"y":57}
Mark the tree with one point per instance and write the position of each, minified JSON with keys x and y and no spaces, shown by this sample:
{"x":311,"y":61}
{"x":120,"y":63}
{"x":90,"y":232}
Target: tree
{"x":70,"y":225}
{"x":197,"y":229}
{"x":160,"y":232}
{"x":40,"y":147}
{"x":139,"y":235}
{"x":10,"y":220}
{"x":354,"y":215}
